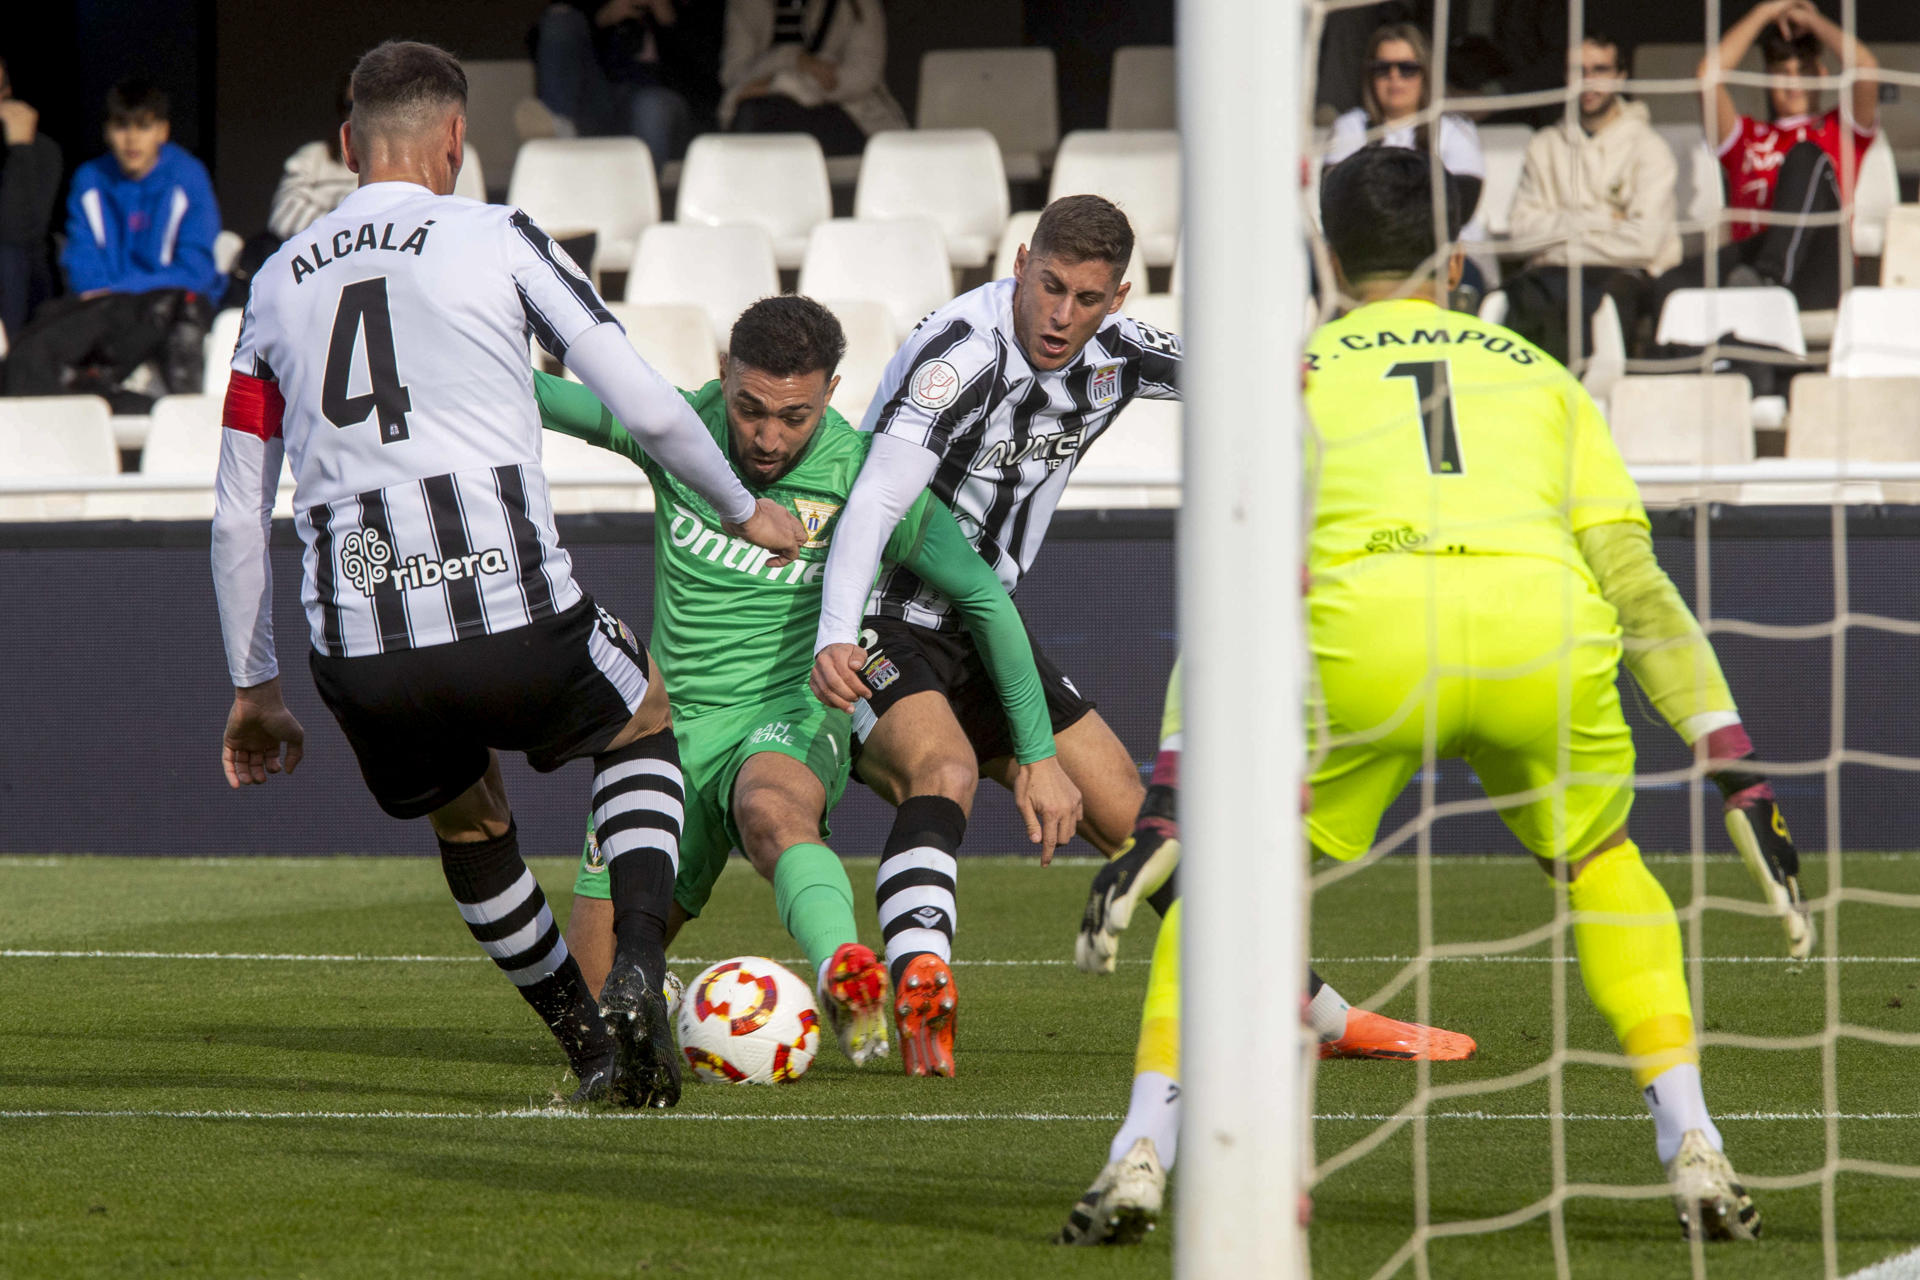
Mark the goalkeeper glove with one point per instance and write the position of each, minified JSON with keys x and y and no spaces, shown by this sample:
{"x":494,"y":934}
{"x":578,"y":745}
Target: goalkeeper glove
{"x":1142,"y":867}
{"x":1759,"y":832}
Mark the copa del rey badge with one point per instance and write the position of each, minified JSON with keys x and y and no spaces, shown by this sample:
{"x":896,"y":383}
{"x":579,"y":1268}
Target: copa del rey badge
{"x":816,"y":516}
{"x":935,"y":384}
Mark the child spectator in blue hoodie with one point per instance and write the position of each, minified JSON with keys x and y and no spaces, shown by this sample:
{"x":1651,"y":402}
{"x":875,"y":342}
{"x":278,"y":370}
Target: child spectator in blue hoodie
{"x":141,"y":222}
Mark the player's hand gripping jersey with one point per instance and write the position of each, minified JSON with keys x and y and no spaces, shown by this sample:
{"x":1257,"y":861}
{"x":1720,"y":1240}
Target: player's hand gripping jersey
{"x":385,"y":350}
{"x":728,"y":632}
{"x":961,"y":411}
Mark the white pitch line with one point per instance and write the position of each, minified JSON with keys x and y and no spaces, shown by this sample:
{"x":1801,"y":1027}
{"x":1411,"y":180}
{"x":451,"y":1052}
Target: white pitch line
{"x":955,"y":1117}
{"x":1904,"y":1267}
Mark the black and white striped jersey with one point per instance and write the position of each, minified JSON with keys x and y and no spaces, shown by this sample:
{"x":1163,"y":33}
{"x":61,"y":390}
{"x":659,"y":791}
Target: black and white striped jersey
{"x":1006,"y":436}
{"x":394,"y":331}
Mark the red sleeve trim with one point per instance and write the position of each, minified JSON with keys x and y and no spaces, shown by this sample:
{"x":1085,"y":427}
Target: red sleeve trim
{"x":254,"y":405}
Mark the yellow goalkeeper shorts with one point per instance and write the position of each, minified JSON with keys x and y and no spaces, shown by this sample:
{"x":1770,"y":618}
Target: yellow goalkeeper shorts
{"x":1507,"y":662}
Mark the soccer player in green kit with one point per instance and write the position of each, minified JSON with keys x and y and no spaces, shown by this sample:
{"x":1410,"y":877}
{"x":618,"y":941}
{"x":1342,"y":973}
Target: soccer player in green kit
{"x":763,"y":760}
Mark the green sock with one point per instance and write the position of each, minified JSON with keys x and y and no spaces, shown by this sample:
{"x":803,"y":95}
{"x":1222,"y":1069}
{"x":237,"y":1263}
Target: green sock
{"x":815,"y":899}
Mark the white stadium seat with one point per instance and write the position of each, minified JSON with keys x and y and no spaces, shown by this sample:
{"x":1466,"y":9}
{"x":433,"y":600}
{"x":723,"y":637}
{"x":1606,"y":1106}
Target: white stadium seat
{"x":226,"y":250}
{"x":1877,"y":334}
{"x":1011,"y":93}
{"x":183,"y":438}
{"x":223,"y":336}
{"x":471,"y":181}
{"x":871,"y":342}
{"x":776,"y":180}
{"x":1767,"y":315}
{"x":1859,"y":419}
{"x":724,"y":269}
{"x":1900,"y":259}
{"x":494,"y":89}
{"x":1505,"y":149}
{"x":953,"y":176}
{"x":901,"y":262}
{"x":1875,"y":194}
{"x":1020,"y":231}
{"x":53,"y":437}
{"x":1140,"y":92}
{"x":1139,"y":170}
{"x":1696,"y":193}
{"x":1607,"y":358}
{"x":1141,"y":447}
{"x":674,"y":337}
{"x":1683,"y":418}
{"x":1161,"y":310}
{"x":602,"y":185}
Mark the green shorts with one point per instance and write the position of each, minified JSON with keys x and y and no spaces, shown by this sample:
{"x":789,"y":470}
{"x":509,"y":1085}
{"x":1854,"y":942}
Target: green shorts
{"x":1507,"y":662}
{"x":714,"y":747}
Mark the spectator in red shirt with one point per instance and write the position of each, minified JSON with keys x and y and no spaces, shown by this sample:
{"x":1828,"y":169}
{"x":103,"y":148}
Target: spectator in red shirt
{"x":1791,"y":164}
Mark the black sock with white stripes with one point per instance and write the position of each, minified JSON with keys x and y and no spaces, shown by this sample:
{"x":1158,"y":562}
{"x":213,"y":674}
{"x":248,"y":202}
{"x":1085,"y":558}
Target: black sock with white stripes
{"x":508,"y":916}
{"x":915,"y":887}
{"x":639,"y":799}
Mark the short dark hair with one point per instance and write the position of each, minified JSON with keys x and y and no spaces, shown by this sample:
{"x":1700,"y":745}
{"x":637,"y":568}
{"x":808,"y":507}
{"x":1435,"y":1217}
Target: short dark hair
{"x":136,"y":99}
{"x":1622,"y":56}
{"x":1776,"y":48}
{"x":1084,"y":229}
{"x":1377,"y":208}
{"x":400,"y":84}
{"x":788,"y":335}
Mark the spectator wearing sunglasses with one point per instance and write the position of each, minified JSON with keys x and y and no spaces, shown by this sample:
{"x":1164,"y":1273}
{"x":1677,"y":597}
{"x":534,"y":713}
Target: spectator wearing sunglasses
{"x":1396,"y":91}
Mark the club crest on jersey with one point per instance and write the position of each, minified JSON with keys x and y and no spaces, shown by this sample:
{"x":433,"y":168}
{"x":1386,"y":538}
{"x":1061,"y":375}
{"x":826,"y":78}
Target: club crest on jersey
{"x":879,"y":672}
{"x":936,"y":384}
{"x":596,"y":860}
{"x":816,"y":516}
{"x":1105,"y":387}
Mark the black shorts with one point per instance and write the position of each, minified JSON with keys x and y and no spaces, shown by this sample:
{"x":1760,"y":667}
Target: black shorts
{"x":421,"y":720}
{"x":904,"y":659}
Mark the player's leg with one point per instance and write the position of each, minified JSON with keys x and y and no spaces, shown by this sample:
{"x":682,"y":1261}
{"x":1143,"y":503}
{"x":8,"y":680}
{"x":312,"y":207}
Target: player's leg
{"x":1125,"y":1200}
{"x":589,"y":932}
{"x":1144,"y":867}
{"x":1102,"y":767}
{"x":778,"y":807}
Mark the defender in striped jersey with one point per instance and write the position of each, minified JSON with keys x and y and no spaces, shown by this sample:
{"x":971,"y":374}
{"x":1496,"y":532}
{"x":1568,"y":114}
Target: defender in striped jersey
{"x":384,"y":355}
{"x":990,"y":403}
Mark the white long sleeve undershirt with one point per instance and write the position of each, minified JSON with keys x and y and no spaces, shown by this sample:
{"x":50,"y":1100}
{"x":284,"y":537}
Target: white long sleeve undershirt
{"x":243,"y":490}
{"x":894,"y":474}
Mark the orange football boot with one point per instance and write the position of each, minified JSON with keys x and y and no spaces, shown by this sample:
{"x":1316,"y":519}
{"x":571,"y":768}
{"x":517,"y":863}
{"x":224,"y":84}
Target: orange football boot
{"x":925,"y":1012}
{"x":854,"y":998}
{"x":1371,"y":1035}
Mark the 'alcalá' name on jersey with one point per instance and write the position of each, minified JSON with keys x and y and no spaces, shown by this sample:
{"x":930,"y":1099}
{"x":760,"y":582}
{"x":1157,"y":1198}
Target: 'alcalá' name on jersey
{"x":691,"y":534}
{"x":367,"y":561}
{"x":346,"y":241}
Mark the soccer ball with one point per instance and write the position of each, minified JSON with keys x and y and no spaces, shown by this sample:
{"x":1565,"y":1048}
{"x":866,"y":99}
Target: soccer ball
{"x":749,"y":1021}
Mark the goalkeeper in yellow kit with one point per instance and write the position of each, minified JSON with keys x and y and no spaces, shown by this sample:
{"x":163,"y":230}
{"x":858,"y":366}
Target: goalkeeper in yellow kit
{"x":1481,"y":564}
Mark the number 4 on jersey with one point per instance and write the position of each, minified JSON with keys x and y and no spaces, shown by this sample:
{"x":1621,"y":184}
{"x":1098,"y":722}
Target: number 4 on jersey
{"x":363,"y":304}
{"x":1433,"y":383}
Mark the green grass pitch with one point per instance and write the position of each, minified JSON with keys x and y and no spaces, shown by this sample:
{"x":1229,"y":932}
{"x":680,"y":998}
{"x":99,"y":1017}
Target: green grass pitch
{"x":387,"y":1118}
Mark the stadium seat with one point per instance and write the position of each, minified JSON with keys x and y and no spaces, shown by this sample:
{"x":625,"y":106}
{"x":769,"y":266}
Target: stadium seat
{"x":1607,"y":360}
{"x":1505,"y":149}
{"x":1141,"y":447}
{"x":471,"y":181}
{"x":901,"y":262}
{"x":1140,"y":92}
{"x":1683,"y":418}
{"x":1161,"y":310}
{"x":1020,"y":231}
{"x":226,"y":250}
{"x":775,"y":180}
{"x":871,"y":342}
{"x":1011,"y":93}
{"x":1139,"y":170}
{"x":494,"y":89}
{"x":953,"y":176}
{"x":567,"y":458}
{"x":1696,"y":194}
{"x":1861,"y":419}
{"x":1494,"y":307}
{"x":723,"y":269}
{"x":50,"y":438}
{"x":1877,"y":334}
{"x":602,"y":185}
{"x":1768,"y":315}
{"x":1900,"y":258}
{"x":1875,"y":194}
{"x":223,"y":336}
{"x":674,"y":337}
{"x":183,"y":439}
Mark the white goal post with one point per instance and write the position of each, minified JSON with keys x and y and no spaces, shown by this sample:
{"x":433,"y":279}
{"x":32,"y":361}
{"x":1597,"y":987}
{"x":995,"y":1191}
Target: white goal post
{"x":1244,"y":941}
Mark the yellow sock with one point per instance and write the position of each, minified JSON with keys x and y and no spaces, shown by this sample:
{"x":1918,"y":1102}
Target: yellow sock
{"x":1159,"y":1048}
{"x":1631,"y":964}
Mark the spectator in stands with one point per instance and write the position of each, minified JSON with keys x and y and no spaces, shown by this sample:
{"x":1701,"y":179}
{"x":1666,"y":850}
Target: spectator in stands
{"x":315,"y":178}
{"x":1394,"y":89}
{"x":1791,"y":164}
{"x":141,"y":222}
{"x":808,"y":66}
{"x":644,"y":67}
{"x":29,"y":184}
{"x":1596,"y":189}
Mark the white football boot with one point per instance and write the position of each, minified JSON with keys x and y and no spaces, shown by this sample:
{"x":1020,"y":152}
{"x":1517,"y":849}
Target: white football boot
{"x":1707,"y":1194}
{"x":1123,"y":1204}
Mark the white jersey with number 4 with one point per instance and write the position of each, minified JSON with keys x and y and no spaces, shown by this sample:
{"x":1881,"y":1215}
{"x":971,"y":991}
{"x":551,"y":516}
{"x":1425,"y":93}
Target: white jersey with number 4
{"x":394,"y":332}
